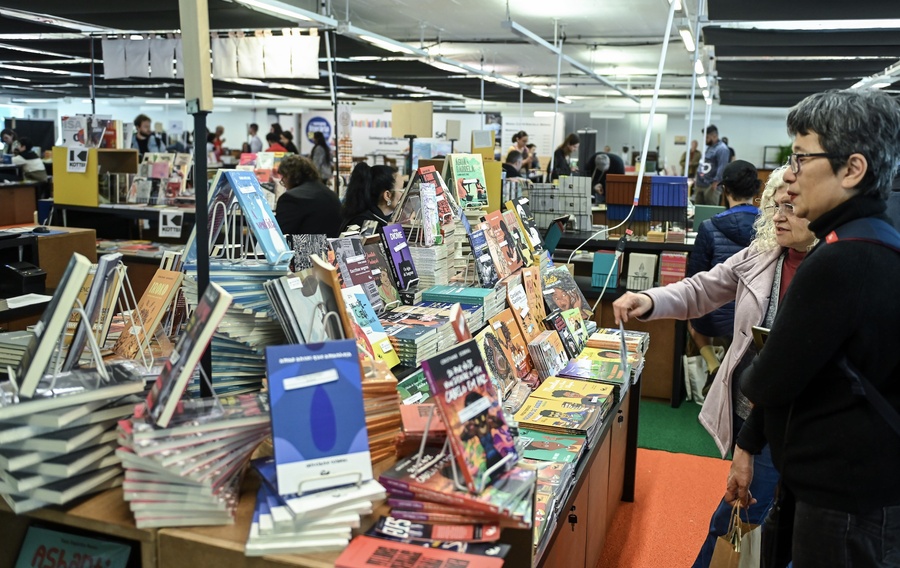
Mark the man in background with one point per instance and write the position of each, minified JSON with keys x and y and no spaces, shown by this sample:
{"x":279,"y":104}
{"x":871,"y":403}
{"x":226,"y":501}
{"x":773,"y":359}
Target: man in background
{"x":144,"y":140}
{"x":256,"y":144}
{"x":513,"y":165}
{"x":695,"y":160}
{"x":709,"y":171}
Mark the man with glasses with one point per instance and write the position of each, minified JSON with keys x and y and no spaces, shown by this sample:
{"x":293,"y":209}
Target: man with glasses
{"x":836,"y":451}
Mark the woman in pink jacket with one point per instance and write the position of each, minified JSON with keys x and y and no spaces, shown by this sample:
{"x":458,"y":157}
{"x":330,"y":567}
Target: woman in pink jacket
{"x":756,"y":279}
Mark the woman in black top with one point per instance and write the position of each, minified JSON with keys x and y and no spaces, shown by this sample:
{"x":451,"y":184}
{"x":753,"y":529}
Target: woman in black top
{"x":287,"y":140}
{"x":308,"y":207}
{"x":561,"y":165}
{"x":370,"y":195}
{"x":321,"y":155}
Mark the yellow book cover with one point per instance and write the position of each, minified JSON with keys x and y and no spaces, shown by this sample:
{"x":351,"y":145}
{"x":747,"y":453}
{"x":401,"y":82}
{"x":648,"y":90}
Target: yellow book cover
{"x":557,"y":416}
{"x":152,"y":307}
{"x":600,"y":354}
{"x":571,"y":390}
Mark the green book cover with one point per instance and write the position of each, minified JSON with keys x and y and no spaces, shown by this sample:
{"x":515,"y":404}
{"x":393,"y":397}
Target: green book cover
{"x":414,"y":389}
{"x":561,"y":448}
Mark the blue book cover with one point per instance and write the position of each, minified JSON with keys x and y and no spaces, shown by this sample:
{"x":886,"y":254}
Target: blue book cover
{"x":318,"y":420}
{"x":259,"y":216}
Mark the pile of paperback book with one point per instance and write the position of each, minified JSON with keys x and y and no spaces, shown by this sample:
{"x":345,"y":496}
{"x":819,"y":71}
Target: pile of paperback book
{"x":59,"y":444}
{"x":189,"y":473}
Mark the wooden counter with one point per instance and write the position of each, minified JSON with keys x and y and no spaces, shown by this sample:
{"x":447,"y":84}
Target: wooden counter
{"x":56,"y":248}
{"x":18,"y":202}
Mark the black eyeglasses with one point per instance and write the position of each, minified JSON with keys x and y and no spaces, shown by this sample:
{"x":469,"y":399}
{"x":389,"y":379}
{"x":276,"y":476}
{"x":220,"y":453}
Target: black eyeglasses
{"x":783,"y":208}
{"x":794,"y":159}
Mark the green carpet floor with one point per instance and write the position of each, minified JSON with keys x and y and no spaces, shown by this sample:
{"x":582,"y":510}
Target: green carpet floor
{"x":674,"y":429}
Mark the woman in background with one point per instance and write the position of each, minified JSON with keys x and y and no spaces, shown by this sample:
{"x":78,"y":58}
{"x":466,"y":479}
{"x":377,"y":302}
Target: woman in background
{"x":307,"y":207}
{"x":561,"y":164}
{"x":321,"y":156}
{"x":287,"y":140}
{"x":371,"y":196}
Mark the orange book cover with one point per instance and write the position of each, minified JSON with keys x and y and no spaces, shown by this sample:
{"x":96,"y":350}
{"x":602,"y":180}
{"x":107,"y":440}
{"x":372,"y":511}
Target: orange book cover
{"x":152,"y":307}
{"x":507,"y":330}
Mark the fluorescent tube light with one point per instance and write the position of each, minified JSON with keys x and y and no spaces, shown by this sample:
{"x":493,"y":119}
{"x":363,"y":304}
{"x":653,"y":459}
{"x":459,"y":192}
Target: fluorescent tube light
{"x":53,"y":21}
{"x":705,"y":93}
{"x":698,"y":67}
{"x":543,"y":113}
{"x":702,"y":82}
{"x":688,"y":38}
{"x":163,"y":102}
{"x":276,"y":10}
{"x":881,"y":85}
{"x":29,"y":69}
{"x":11,"y":78}
{"x":388,"y":45}
{"x":541,"y":93}
{"x":677,"y":5}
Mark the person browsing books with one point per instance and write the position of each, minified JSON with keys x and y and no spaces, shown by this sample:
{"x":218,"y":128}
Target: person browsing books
{"x":513,"y":165}
{"x":371,"y":196}
{"x":756,"y":278}
{"x":307,"y":207}
{"x":561,"y":164}
{"x":835,"y":449}
{"x":32,"y":165}
{"x":718,"y":239}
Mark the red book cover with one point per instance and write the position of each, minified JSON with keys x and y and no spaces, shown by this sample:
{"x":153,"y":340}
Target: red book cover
{"x":366,"y":551}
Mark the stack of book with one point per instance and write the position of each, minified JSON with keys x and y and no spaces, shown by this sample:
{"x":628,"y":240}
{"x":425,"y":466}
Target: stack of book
{"x":432,"y":264}
{"x":315,"y":521}
{"x":379,"y":550}
{"x":248,"y":326}
{"x":189,"y":473}
{"x":415,"y":335}
{"x":13,"y":345}
{"x":548,"y":354}
{"x":603,"y":366}
{"x":492,"y":299}
{"x":422,"y":489}
{"x":672,"y":267}
{"x":59,"y":444}
{"x":381,"y":401}
{"x":567,"y":406}
{"x":554,"y":484}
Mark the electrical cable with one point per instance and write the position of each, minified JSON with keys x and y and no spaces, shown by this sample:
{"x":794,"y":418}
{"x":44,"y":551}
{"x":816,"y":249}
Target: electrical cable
{"x":649,"y":132}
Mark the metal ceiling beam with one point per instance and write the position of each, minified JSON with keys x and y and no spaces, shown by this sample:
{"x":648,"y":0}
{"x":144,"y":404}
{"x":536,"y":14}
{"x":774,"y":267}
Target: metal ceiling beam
{"x":527,"y":34}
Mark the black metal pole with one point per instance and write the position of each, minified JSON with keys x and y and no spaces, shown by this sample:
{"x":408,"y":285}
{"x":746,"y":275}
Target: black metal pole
{"x":93,"y":85}
{"x":202,"y":228}
{"x":332,"y":37}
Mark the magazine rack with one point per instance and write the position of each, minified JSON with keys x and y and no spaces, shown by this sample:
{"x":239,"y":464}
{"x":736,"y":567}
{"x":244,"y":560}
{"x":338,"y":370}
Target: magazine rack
{"x":446,"y":450}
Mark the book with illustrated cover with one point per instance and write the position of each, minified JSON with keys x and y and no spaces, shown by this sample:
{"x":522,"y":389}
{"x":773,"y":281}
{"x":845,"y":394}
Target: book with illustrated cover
{"x":400,"y":257}
{"x":414,"y":388}
{"x":611,"y":338}
{"x":509,"y":254}
{"x":220,"y":197}
{"x":512,"y":224}
{"x":172,"y":382}
{"x":537,"y":445}
{"x":330,"y":288}
{"x":531,"y":280}
{"x":466,"y":173}
{"x":484,"y":261}
{"x":318,"y":420}
{"x":259,"y":216}
{"x":353,"y":265}
{"x":557,"y":416}
{"x":103,"y":291}
{"x":431,"y":227}
{"x":571,"y":390}
{"x":368,"y":329}
{"x":597,"y":365}
{"x":522,"y":207}
{"x":344,"y":248}
{"x":514,"y":345}
{"x":576,"y":327}
{"x":365,"y":551}
{"x":497,"y":361}
{"x":305,"y":246}
{"x":556,"y":322}
{"x":470,"y":408}
{"x":151,"y":308}
{"x":38,"y":353}
{"x":548,"y":353}
{"x":530,"y":325}
{"x":379,"y":267}
{"x":562,"y":293}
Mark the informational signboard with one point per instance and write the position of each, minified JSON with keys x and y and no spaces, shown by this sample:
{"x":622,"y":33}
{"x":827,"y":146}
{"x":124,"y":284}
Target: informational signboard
{"x":170,"y":222}
{"x":77,"y":159}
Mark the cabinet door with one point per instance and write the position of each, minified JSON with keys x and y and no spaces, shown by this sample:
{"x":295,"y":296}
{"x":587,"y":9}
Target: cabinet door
{"x":597,"y":515}
{"x":567,"y":551}
{"x":618,"y":434}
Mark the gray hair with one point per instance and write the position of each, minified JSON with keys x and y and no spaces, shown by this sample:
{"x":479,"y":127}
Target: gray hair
{"x":601,"y":163}
{"x":864,"y":121}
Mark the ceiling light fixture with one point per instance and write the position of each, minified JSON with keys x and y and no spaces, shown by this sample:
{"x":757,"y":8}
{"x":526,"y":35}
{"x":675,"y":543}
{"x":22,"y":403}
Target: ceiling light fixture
{"x":280,"y":9}
{"x":702,"y":82}
{"x":11,"y":78}
{"x":53,"y":21}
{"x":532,"y":37}
{"x":677,"y":5}
{"x":29,"y":69}
{"x":164,"y":101}
{"x":890,"y":75}
{"x":698,"y":67}
{"x":881,"y":85}
{"x":687,"y":37}
{"x":543,"y":113}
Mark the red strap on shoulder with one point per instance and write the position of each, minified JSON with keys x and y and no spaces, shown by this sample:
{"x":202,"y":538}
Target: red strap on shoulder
{"x":831,"y":237}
